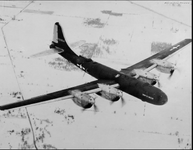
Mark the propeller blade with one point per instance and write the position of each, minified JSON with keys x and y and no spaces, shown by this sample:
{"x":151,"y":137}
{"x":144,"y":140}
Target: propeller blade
{"x":83,"y":109}
{"x":95,"y":108}
{"x":159,"y":84}
{"x":123,"y":101}
{"x":111,"y":102}
{"x":171,"y":74}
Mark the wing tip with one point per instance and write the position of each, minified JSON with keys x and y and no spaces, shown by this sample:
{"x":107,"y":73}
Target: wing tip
{"x":188,"y":40}
{"x":1,"y":108}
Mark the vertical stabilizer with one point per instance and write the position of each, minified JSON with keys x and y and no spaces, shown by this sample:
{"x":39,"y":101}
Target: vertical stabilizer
{"x":59,"y":42}
{"x":58,"y":34}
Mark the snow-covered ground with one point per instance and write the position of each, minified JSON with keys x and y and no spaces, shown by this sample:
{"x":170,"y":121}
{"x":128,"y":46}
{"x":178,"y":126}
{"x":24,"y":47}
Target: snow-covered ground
{"x":62,"y":124}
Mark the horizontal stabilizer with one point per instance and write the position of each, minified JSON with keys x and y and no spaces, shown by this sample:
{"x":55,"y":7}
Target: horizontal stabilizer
{"x":46,"y":53}
{"x":77,"y":44}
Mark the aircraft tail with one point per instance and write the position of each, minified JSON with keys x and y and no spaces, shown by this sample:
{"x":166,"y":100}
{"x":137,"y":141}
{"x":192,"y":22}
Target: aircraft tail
{"x":59,"y":44}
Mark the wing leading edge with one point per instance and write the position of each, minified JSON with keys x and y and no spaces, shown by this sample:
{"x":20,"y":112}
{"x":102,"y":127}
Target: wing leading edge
{"x":91,"y":87}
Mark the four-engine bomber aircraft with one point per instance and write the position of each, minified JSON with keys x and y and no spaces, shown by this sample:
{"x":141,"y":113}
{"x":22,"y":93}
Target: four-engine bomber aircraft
{"x":135,"y":80}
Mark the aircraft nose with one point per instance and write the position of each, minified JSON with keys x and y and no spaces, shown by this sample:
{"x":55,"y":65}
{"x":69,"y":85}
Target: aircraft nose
{"x":162,"y":98}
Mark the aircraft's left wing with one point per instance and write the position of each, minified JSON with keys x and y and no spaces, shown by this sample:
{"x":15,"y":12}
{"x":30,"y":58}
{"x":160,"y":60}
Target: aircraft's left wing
{"x":91,"y":87}
{"x":148,"y":65}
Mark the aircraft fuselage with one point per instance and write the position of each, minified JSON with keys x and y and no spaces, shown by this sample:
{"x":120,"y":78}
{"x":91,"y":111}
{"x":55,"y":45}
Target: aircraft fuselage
{"x":132,"y":86}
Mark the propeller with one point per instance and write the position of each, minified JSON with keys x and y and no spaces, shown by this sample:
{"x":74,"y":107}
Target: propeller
{"x":173,"y":69}
{"x":159,"y":84}
{"x":95,"y":108}
{"x":171,"y":73}
{"x":83,"y":109}
{"x":123,"y":102}
{"x":111,"y":102}
{"x":158,"y":81}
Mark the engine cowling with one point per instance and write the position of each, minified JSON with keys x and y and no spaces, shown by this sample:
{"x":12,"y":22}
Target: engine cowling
{"x":109,"y":92}
{"x":146,"y":80}
{"x":145,"y":76}
{"x":108,"y":96}
{"x":82,"y":99}
{"x":164,"y":66}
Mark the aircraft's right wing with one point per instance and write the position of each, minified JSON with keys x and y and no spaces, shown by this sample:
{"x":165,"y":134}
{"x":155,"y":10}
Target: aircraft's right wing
{"x":147,"y":63}
{"x":91,"y":87}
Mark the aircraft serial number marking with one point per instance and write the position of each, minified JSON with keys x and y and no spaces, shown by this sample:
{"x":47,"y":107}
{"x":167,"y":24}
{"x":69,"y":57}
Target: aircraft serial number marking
{"x":148,"y":96}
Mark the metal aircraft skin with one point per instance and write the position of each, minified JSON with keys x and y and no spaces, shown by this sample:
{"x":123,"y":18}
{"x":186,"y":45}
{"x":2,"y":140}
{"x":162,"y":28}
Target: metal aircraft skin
{"x":136,"y":80}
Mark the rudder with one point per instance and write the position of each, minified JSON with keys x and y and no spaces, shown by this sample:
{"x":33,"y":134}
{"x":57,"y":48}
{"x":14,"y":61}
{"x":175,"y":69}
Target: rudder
{"x":58,"y":36}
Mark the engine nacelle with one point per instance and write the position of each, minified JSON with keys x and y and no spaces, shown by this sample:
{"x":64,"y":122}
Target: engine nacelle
{"x":82,"y":99}
{"x":108,"y":96}
{"x":145,"y":76}
{"x":146,"y":80}
{"x":109,"y":92}
{"x":164,"y":70}
{"x":164,"y":66}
